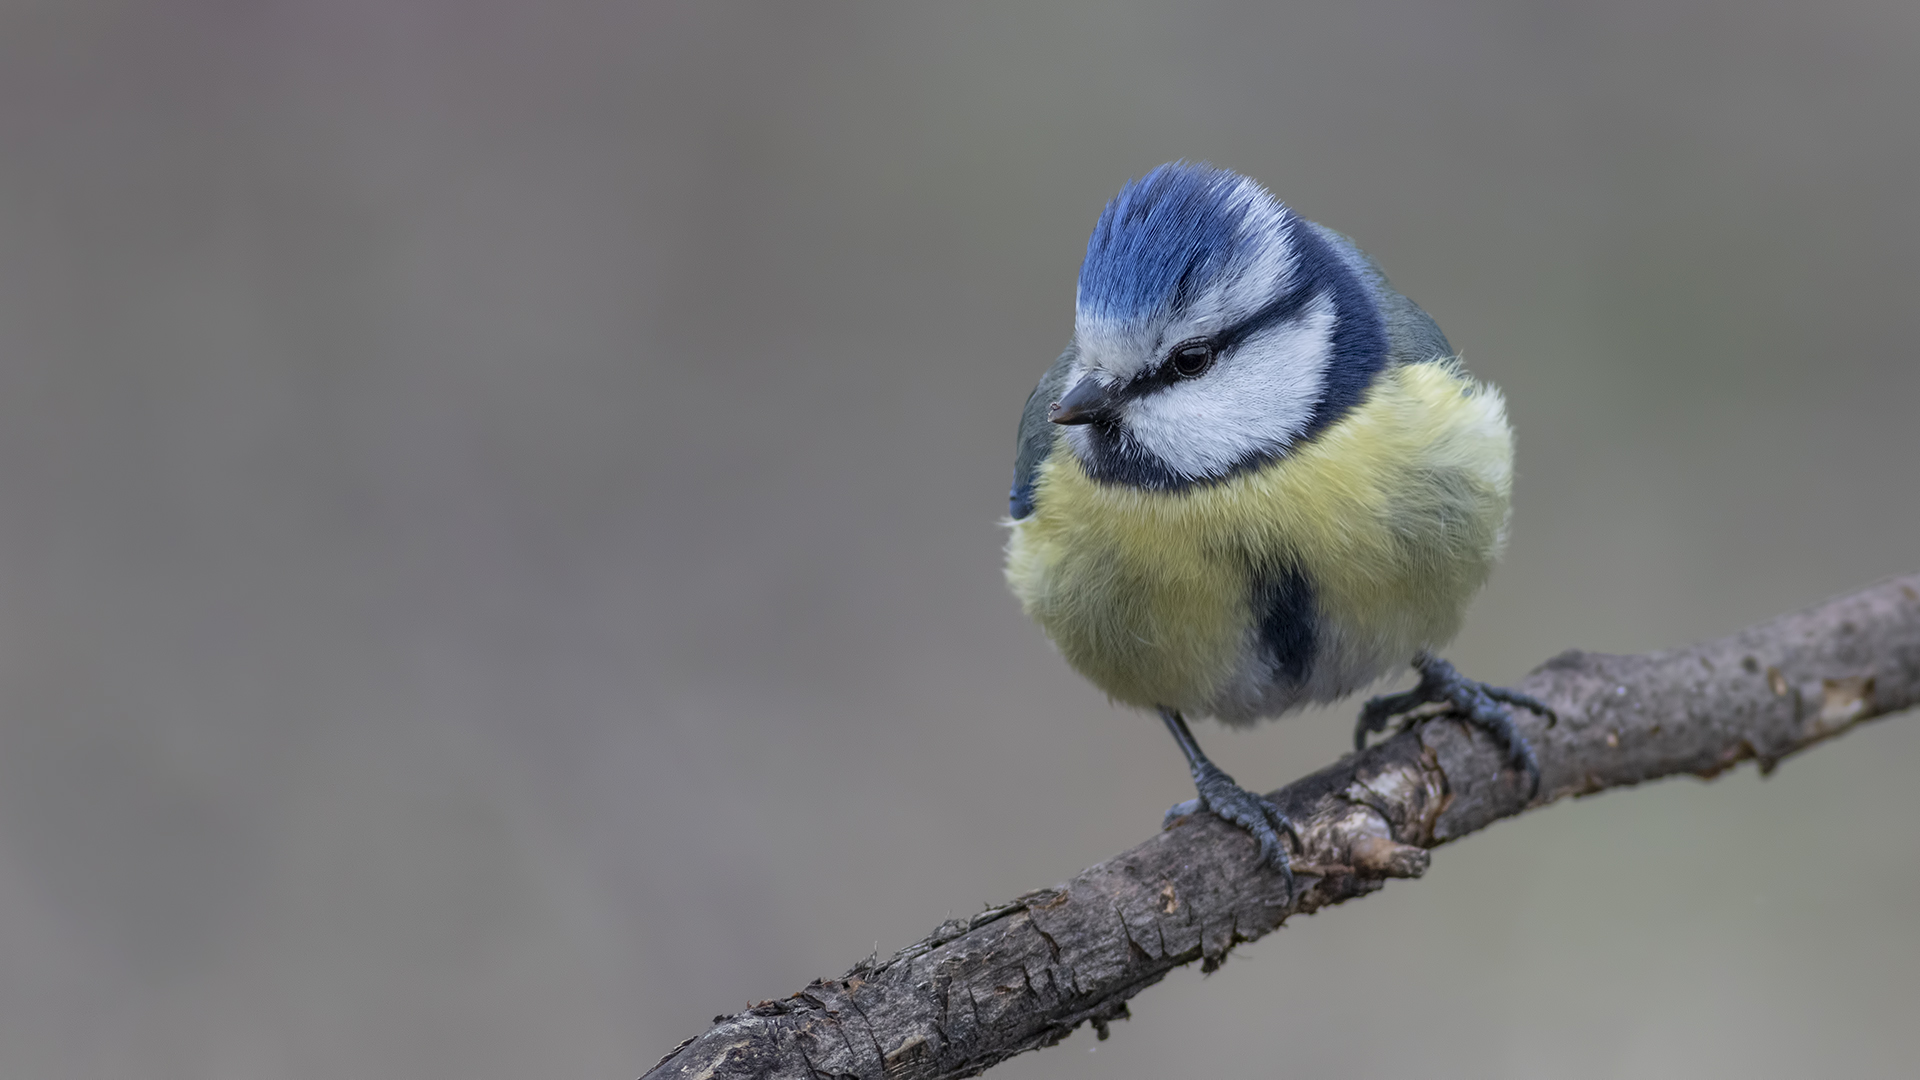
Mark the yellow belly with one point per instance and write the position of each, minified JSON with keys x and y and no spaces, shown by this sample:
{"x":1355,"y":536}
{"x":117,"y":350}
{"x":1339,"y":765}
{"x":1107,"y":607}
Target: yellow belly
{"x":1394,"y":515}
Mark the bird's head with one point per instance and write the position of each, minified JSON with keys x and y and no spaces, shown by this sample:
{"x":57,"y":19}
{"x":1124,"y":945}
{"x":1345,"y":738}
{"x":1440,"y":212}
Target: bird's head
{"x":1214,"y":329}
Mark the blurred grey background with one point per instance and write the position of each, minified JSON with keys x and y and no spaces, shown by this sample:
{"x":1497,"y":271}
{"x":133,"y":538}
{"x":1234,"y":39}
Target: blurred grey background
{"x":498,"y":516}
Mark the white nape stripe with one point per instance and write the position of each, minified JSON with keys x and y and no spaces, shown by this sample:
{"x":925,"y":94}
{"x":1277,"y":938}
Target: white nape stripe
{"x":1261,"y":266}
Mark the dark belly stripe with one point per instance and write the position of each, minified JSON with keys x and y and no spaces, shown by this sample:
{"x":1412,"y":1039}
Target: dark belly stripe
{"x":1283,"y":602}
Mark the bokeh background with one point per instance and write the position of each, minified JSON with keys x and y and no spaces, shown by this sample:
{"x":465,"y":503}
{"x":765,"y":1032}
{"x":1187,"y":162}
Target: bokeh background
{"x":499,"y":515}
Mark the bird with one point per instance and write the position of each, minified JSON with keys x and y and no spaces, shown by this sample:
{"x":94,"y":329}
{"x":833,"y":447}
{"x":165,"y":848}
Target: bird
{"x":1257,"y":478}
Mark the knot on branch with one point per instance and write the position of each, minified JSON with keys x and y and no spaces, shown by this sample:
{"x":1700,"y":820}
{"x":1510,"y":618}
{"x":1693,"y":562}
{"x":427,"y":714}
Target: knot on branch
{"x":1025,"y":974}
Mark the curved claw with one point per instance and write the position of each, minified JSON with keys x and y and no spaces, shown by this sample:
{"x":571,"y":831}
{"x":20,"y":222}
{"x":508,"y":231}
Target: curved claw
{"x":1231,"y":803}
{"x":1179,"y":810}
{"x":1526,"y":701}
{"x":1377,"y":712}
{"x":1498,"y":722}
{"x":1475,"y":702}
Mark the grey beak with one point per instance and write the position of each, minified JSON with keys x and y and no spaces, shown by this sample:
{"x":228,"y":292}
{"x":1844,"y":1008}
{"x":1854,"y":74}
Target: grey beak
{"x":1087,"y":402}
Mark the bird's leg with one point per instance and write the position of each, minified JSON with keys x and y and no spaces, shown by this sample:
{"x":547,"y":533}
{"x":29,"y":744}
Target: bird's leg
{"x":1230,"y":802}
{"x":1477,"y":703}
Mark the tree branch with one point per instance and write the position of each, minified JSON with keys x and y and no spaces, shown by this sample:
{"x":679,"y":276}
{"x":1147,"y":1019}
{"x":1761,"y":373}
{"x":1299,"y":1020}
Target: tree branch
{"x":1025,"y":974}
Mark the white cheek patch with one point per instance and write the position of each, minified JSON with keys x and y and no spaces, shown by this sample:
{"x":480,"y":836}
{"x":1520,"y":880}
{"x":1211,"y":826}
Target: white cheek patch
{"x":1255,"y":402}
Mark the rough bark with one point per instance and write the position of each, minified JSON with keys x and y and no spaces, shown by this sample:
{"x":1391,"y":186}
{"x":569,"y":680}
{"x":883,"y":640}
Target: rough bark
{"x":1026,"y":973}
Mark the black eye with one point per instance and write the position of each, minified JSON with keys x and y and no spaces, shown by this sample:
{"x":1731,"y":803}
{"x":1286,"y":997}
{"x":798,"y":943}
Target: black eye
{"x":1192,"y":359}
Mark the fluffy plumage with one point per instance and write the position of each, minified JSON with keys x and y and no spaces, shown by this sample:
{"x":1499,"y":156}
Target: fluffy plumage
{"x":1307,"y":513}
{"x":1170,"y":237}
{"x":1392,"y":517}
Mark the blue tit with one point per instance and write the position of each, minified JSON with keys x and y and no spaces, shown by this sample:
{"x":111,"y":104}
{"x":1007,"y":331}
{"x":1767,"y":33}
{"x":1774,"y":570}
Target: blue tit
{"x":1257,"y":478}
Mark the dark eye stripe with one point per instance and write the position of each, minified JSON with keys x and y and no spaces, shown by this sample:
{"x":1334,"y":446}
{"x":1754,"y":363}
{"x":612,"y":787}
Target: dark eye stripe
{"x":1277,"y":310}
{"x":1168,"y":371}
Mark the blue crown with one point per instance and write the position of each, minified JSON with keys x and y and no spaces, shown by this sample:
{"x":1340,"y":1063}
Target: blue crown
{"x":1164,"y":238}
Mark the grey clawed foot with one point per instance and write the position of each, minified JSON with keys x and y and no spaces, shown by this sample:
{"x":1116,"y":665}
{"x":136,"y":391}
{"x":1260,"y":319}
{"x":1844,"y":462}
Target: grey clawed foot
{"x":1477,"y":703}
{"x":1179,"y":810}
{"x":1230,"y":802}
{"x":1376,"y":713}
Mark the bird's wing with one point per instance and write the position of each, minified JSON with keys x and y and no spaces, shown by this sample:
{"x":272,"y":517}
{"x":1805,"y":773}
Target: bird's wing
{"x":1412,"y":335}
{"x":1036,"y":434}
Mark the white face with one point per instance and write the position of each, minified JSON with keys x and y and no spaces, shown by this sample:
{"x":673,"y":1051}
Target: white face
{"x":1258,"y":396}
{"x":1254,"y":402}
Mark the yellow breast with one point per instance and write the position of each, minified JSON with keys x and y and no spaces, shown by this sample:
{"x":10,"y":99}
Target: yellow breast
{"x":1394,"y":515}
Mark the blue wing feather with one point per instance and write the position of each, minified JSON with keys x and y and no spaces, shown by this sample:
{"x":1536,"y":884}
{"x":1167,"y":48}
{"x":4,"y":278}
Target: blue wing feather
{"x":1036,"y":434}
